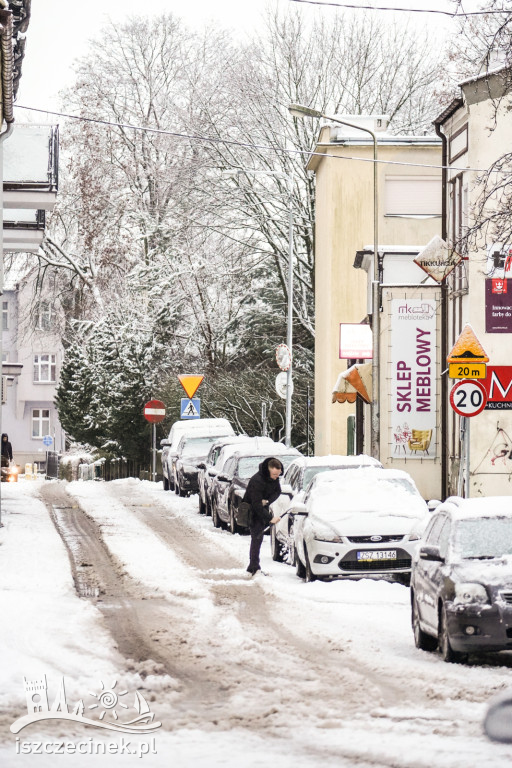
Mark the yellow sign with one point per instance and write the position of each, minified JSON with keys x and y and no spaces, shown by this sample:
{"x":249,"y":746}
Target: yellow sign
{"x":467,"y":370}
{"x":190,"y":384}
{"x":467,"y":349}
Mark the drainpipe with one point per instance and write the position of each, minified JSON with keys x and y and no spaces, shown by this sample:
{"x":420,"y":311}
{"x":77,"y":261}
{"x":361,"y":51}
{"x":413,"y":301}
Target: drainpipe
{"x":7,"y":66}
{"x":444,"y":324}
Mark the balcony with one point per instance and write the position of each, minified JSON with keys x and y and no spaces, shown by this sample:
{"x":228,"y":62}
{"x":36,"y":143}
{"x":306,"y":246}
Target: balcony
{"x":31,"y":167}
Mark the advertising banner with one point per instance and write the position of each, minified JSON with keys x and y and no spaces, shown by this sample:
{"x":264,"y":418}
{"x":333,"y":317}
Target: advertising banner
{"x":413,"y":389}
{"x":498,"y":305}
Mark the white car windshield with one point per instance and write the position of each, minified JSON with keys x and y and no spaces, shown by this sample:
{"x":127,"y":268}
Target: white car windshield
{"x":484,"y":538}
{"x":197,"y":446}
{"x":361,"y":493}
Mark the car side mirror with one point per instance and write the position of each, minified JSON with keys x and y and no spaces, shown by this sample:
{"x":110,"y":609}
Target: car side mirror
{"x":202,"y":465}
{"x":433,"y":504}
{"x":164,"y":442}
{"x":431,"y":553}
{"x":223,"y":478}
{"x":298,"y":509}
{"x":286,"y":489}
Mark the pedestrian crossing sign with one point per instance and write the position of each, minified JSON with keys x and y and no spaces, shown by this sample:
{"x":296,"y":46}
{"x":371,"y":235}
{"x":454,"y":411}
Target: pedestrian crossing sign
{"x":190,"y":409}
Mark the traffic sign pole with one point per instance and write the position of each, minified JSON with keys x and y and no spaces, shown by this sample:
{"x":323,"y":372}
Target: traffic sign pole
{"x":154,"y":412}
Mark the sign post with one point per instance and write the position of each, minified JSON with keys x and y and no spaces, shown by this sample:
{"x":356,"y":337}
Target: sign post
{"x":154,"y":412}
{"x":467,"y":398}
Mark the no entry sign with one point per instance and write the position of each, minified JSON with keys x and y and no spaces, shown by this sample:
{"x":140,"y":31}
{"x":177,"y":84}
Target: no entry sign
{"x":154,"y":411}
{"x":468,"y":397}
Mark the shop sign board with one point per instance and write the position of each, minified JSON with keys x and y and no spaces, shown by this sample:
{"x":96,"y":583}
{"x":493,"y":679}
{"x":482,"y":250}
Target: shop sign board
{"x":498,"y":385}
{"x":355,"y":341}
{"x":413,"y":390}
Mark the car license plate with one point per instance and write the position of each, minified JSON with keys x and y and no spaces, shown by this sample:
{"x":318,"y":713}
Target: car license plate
{"x":376,"y":554}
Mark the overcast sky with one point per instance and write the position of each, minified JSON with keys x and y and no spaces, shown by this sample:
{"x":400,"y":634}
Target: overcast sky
{"x":59,"y":32}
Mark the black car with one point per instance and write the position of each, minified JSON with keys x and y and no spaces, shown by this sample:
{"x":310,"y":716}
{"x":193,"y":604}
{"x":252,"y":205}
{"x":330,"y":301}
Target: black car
{"x":231,"y":482}
{"x":461,"y":580}
{"x":191,"y":452}
{"x":210,"y":467}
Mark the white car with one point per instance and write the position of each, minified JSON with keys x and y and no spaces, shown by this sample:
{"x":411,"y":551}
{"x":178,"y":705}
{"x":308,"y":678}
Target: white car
{"x":217,"y":427}
{"x":358,"y":522}
{"x":293,"y":485}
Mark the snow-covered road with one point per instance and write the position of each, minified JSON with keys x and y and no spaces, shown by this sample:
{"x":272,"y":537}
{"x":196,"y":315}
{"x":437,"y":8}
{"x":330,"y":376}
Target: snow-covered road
{"x":240,"y":672}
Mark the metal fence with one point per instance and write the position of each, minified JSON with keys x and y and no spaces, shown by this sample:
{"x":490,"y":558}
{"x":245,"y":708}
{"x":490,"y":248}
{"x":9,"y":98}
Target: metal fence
{"x":114,"y":469}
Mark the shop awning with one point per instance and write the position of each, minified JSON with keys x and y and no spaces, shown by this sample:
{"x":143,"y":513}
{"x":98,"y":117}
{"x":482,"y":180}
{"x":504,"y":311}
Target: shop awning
{"x":356,"y":380}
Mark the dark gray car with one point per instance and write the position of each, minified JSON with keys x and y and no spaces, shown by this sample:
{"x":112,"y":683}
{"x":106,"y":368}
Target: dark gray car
{"x":461,"y":580}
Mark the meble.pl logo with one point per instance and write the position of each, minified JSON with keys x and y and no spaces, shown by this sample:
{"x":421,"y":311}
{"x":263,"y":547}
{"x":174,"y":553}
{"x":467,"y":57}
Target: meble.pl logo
{"x":108,"y":707}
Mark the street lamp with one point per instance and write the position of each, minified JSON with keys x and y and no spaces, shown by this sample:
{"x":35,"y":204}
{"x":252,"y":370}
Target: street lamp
{"x":298,"y":110}
{"x":289,"y":316}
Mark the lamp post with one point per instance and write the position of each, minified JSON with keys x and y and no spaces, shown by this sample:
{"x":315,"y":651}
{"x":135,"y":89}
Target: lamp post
{"x":289,"y":314}
{"x":298,"y":110}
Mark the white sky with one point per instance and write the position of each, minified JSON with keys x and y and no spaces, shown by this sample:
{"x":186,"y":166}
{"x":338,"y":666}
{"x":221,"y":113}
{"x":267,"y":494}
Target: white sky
{"x":59,"y":32}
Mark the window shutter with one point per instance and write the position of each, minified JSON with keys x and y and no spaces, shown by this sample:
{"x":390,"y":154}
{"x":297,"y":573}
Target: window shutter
{"x":413,"y":196}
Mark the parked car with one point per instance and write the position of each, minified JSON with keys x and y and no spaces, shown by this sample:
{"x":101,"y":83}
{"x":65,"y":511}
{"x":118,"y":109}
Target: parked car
{"x":216,"y":458}
{"x":191,"y":451}
{"x":355,"y":522}
{"x":461,"y":581}
{"x":231,"y":482}
{"x":217,"y":427}
{"x":295,"y":480}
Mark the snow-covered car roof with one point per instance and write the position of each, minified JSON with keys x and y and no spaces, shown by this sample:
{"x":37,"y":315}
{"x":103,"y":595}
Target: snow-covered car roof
{"x":251,"y":442}
{"x":275,"y":449}
{"x":336,"y":459}
{"x":485,"y":506}
{"x":345,"y":493}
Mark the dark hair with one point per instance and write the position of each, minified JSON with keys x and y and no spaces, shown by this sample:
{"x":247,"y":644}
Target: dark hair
{"x":275,"y":464}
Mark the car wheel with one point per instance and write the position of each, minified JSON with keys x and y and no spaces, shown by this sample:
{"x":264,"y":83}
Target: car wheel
{"x":310,"y":576}
{"x":299,"y":568}
{"x":215,"y":516}
{"x":166,"y":484}
{"x":421,"y":640}
{"x":202,"y":506}
{"x":445,"y":650}
{"x":233,"y":527}
{"x":275,"y":547}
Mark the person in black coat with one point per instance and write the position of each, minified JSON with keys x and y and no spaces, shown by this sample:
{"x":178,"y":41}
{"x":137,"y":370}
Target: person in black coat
{"x":6,"y":450}
{"x":263,"y":489}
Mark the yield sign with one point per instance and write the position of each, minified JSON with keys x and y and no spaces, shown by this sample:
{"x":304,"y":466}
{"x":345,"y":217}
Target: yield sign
{"x":190,"y":384}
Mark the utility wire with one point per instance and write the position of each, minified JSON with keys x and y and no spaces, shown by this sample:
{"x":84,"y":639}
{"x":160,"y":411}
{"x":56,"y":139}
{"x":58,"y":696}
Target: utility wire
{"x":247,"y":145}
{"x":453,"y":14}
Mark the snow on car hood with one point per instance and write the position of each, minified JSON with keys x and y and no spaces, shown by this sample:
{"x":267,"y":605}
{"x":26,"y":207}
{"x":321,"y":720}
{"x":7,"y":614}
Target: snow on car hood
{"x":375,"y":506}
{"x":497,"y":572}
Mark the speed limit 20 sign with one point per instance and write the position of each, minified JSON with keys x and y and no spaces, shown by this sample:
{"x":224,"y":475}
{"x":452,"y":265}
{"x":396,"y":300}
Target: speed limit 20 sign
{"x":468,"y":397}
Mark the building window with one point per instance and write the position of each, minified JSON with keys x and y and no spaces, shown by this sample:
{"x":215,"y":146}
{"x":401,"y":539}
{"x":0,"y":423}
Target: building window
{"x":5,"y":315}
{"x":413,"y":196}
{"x":44,"y":368}
{"x":5,"y":357}
{"x":44,"y":316}
{"x":40,"y":422}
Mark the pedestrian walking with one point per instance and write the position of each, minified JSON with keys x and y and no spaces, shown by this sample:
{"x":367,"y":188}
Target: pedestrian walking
{"x":6,"y":450}
{"x":263,"y":489}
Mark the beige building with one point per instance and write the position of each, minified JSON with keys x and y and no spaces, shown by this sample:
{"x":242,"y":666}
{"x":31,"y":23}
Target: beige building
{"x":477,"y":128}
{"x":409,"y":216}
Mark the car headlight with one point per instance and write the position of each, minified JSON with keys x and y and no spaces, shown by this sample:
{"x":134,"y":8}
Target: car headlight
{"x":331,"y":539}
{"x":414,"y":536}
{"x":470,"y":593}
